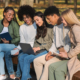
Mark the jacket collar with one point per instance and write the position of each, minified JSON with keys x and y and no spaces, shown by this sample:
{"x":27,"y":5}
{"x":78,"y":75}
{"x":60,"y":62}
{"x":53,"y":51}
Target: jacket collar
{"x":2,"y":22}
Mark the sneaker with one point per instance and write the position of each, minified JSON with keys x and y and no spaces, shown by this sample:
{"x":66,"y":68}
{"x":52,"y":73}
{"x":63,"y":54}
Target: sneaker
{"x":30,"y":79}
{"x":2,"y":77}
{"x":17,"y":79}
{"x":11,"y":78}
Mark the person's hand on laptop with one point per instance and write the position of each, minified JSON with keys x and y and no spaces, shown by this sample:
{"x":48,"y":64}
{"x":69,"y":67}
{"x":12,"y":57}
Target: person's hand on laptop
{"x":17,"y":52}
{"x":4,"y":40}
{"x":36,"y":49}
{"x":48,"y":56}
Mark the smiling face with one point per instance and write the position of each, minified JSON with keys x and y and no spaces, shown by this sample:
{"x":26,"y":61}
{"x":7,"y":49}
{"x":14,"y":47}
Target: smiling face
{"x":38,"y":20}
{"x":9,"y":15}
{"x":64,"y":22}
{"x":52,"y":19}
{"x":27,"y":19}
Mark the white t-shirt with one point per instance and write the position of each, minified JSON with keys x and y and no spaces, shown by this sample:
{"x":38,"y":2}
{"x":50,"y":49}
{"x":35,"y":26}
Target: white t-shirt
{"x":5,"y":29}
{"x":27,"y":34}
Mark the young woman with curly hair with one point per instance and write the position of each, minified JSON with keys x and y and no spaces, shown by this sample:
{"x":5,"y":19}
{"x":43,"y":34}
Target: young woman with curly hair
{"x":43,"y":42}
{"x":27,"y":32}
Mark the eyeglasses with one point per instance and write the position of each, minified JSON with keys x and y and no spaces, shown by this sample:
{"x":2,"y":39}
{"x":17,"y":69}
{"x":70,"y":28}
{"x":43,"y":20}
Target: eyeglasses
{"x":24,"y":18}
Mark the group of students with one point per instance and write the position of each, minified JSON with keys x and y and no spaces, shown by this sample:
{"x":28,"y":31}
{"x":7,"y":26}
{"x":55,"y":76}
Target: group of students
{"x":37,"y":31}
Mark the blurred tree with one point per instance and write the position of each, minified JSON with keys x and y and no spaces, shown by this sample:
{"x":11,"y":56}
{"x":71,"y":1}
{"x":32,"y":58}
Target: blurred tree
{"x":75,"y":6}
{"x":23,"y":2}
{"x":27,"y":2}
{"x":50,"y":2}
{"x":70,"y":1}
{"x":36,"y":1}
{"x":6,"y":3}
{"x":30,"y":2}
{"x":15,"y":1}
{"x":66,"y":1}
{"x":44,"y":1}
{"x":3,"y":1}
{"x":0,"y":0}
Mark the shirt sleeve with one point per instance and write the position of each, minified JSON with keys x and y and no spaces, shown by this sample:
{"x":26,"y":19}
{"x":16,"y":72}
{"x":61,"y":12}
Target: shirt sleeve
{"x":16,"y":35}
{"x":53,"y":47}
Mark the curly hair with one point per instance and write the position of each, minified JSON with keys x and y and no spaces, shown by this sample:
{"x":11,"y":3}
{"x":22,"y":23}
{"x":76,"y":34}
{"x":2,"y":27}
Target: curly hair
{"x":51,"y":10}
{"x":25,"y":10}
{"x":41,"y":31}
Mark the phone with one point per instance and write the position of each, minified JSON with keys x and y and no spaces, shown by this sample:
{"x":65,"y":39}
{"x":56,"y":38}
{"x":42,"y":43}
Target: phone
{"x":14,"y":51}
{"x":55,"y":54}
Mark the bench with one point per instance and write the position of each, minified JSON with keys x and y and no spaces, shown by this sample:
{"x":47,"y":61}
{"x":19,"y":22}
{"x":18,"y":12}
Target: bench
{"x":15,"y":61}
{"x":76,"y":76}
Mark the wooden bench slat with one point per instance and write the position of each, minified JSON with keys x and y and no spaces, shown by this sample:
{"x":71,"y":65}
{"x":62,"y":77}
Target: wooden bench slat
{"x":76,"y":76}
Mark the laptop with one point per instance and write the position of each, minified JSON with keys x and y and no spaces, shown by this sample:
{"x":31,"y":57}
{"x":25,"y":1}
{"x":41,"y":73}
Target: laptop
{"x":26,"y":48}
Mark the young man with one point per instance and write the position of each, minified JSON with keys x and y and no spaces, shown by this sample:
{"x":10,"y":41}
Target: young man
{"x":27,"y":34}
{"x":61,"y":42}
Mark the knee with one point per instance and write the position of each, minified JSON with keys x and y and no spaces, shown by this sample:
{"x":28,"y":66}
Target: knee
{"x":13,"y":46}
{"x":0,"y":48}
{"x":20,"y":58}
{"x":58,"y":70}
{"x":7,"y":54}
{"x":36,"y":61}
{"x":51,"y":68}
{"x":47,"y":64}
{"x":26,"y":59}
{"x":1,"y":55}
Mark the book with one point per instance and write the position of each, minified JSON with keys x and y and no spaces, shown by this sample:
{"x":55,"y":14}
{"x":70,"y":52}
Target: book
{"x":6,"y":36}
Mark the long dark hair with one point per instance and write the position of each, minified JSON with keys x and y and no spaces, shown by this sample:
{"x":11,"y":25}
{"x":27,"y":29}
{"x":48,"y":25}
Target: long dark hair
{"x":41,"y":31}
{"x":10,"y":8}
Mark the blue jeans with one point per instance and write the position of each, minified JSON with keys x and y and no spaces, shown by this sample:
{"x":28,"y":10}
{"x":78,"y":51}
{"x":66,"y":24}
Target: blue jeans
{"x":6,"y":48}
{"x":2,"y":69}
{"x":24,"y":61}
